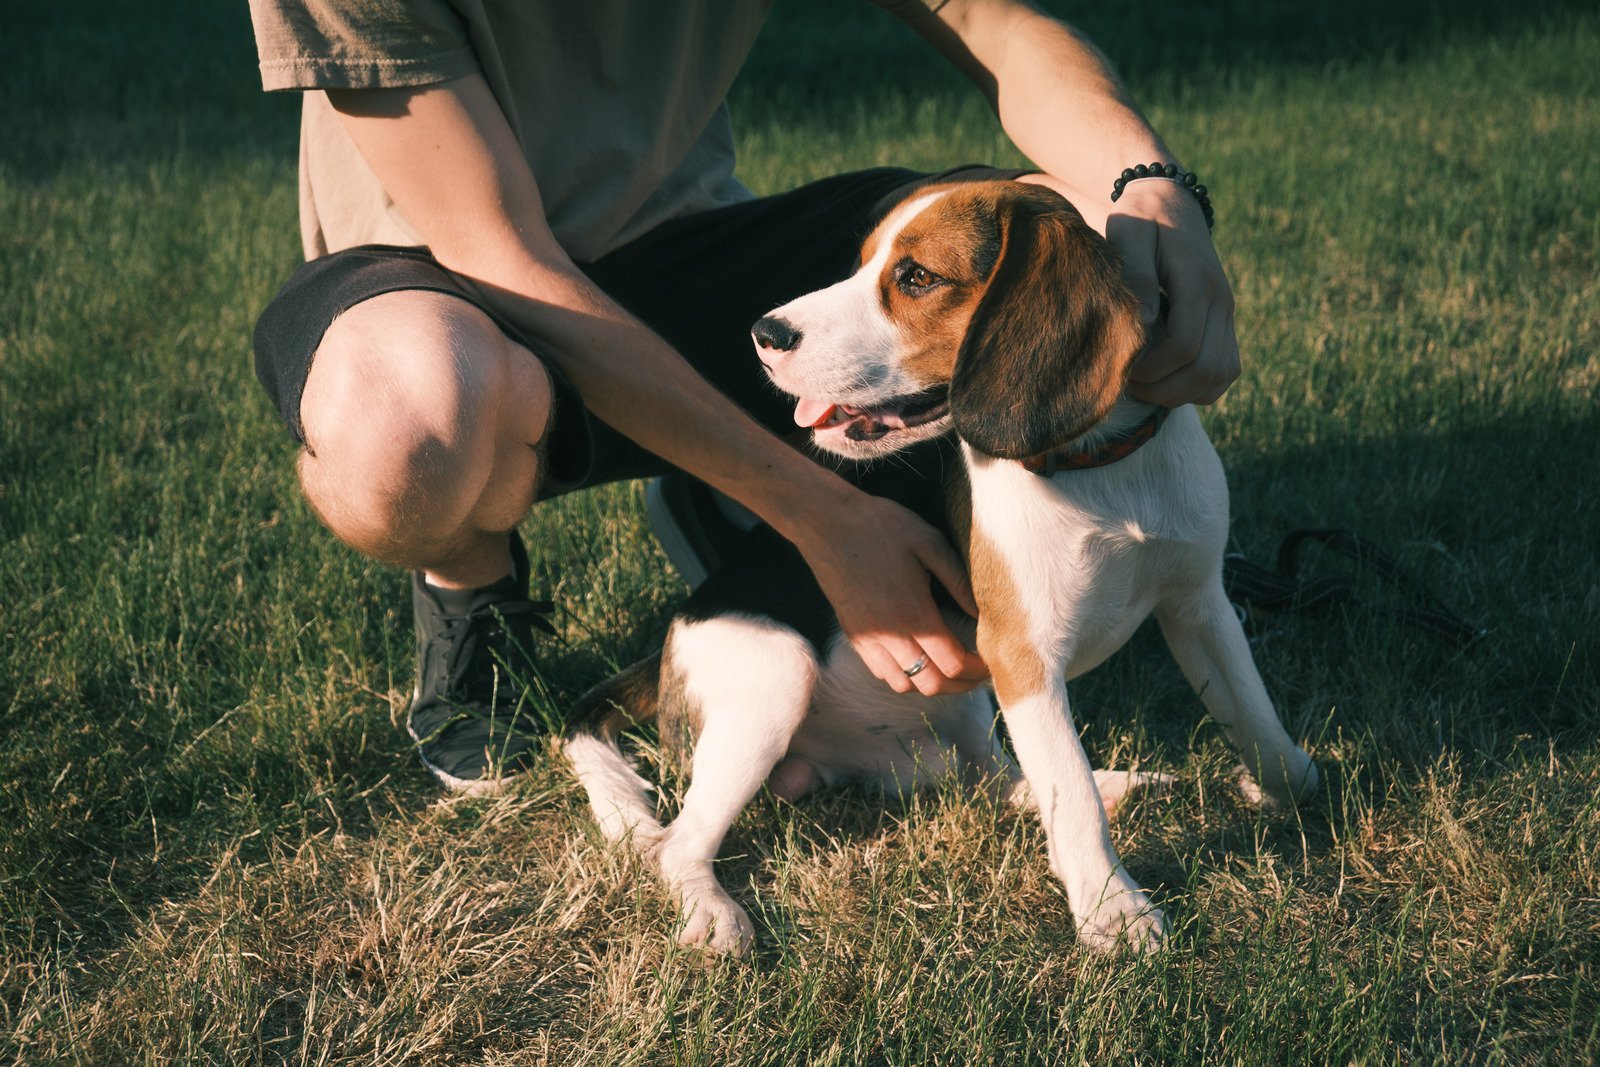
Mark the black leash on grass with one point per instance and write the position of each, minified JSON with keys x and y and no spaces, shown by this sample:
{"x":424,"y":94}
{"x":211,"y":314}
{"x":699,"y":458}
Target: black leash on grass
{"x":1254,"y":587}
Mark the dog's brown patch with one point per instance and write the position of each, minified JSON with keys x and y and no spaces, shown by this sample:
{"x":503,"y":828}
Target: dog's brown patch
{"x":1003,"y":639}
{"x":1047,"y":348}
{"x":680,"y":719}
{"x":957,"y":240}
{"x":1023,"y":311}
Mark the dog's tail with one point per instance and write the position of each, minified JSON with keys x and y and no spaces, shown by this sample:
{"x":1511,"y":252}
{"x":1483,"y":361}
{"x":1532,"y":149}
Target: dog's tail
{"x":619,"y":796}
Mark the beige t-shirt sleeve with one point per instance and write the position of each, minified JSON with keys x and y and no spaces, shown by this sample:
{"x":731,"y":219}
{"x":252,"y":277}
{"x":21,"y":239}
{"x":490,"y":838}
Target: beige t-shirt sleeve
{"x":359,"y":44}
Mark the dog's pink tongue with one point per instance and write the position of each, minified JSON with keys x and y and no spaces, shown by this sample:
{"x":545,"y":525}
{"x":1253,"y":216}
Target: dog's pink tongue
{"x":812,"y":412}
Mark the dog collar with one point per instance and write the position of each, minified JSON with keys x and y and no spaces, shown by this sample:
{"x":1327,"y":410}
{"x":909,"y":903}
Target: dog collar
{"x":1101,"y":455}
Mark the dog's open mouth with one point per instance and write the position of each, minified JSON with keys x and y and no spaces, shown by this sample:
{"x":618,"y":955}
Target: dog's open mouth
{"x":875,"y":422}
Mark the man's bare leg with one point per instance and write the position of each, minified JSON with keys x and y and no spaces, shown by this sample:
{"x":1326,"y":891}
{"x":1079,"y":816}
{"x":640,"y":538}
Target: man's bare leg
{"x":423,"y":425}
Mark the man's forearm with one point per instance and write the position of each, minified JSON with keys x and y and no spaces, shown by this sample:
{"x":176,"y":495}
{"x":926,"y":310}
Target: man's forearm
{"x":1054,"y":92}
{"x":1044,"y":62}
{"x":636,"y":382}
{"x":447,"y":158}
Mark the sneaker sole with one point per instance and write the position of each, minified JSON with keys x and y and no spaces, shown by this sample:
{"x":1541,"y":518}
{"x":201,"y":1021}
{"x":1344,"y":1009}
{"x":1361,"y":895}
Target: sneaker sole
{"x":470,"y":787}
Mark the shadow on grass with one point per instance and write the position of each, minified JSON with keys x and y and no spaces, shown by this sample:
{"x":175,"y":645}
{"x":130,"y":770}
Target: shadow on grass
{"x":1460,"y":503}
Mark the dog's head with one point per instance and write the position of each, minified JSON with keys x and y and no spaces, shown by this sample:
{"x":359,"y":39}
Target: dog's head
{"x":988,"y":306}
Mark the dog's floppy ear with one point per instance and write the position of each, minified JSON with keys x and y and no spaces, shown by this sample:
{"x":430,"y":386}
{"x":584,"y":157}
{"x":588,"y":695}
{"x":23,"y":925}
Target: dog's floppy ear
{"x":1047,"y":349}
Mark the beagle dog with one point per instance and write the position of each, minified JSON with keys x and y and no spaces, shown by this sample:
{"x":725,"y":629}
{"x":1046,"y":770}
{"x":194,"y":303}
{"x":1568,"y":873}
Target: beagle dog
{"x":990,"y":320}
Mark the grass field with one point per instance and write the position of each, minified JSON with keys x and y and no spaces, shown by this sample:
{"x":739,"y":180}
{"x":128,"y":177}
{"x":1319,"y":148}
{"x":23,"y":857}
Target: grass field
{"x":215,"y":845}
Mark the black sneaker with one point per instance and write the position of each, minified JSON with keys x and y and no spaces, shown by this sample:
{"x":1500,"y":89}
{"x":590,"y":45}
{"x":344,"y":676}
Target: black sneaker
{"x":470,"y":714}
{"x":694,"y":523}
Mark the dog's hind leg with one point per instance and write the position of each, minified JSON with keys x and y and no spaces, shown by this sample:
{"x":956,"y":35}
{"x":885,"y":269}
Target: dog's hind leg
{"x":1117,"y":789}
{"x":1208,"y":642}
{"x":619,"y":798}
{"x":746,"y":683}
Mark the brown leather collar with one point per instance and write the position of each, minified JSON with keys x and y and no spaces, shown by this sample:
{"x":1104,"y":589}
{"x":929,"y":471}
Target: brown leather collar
{"x":1101,"y":455}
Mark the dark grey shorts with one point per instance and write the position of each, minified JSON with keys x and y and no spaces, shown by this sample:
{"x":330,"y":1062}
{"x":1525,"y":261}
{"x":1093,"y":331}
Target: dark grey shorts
{"x":700,"y":282}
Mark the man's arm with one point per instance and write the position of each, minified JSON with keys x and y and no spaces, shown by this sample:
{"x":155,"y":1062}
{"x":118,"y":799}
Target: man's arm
{"x":1062,"y":105}
{"x":448,"y":158}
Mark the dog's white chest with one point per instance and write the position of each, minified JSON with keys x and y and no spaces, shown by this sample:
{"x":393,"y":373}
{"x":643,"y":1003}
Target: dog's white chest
{"x":1090,"y":553}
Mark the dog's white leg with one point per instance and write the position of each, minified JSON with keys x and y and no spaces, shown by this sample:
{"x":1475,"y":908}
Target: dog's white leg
{"x":1209,"y":644}
{"x":749,"y":683}
{"x":987,"y":760}
{"x":1107,"y":904}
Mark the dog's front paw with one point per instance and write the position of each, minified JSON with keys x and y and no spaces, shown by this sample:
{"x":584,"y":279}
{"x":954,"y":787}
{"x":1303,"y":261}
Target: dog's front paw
{"x":713,"y":922}
{"x":1126,"y":922}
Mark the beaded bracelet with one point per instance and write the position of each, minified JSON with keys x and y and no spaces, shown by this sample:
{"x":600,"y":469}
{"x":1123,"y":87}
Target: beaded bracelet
{"x":1185,"y":178}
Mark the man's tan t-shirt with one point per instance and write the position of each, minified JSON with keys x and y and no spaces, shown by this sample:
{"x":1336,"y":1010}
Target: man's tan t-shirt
{"x":619,"y":105}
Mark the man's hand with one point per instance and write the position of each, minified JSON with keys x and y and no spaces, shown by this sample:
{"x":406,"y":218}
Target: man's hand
{"x":875,"y":562}
{"x":1160,"y":231}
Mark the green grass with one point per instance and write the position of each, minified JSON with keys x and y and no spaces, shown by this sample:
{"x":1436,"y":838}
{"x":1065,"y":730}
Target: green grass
{"x":215,"y":846}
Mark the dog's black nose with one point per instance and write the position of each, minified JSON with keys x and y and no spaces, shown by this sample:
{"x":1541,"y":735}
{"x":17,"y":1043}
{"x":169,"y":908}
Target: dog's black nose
{"x":775,"y":333}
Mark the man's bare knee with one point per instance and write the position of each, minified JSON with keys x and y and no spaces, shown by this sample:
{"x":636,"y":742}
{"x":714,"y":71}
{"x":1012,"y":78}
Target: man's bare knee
{"x":420,"y":418}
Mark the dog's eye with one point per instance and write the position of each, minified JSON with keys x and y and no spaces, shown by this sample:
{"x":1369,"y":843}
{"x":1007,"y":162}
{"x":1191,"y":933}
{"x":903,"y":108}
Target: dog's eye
{"x":915,"y":278}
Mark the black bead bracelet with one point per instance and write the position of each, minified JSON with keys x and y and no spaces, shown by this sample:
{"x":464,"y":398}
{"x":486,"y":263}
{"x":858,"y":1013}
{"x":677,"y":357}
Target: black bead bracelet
{"x":1185,"y":178}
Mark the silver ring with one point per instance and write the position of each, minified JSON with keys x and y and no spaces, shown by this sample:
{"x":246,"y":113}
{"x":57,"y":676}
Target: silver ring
{"x":916,"y":668}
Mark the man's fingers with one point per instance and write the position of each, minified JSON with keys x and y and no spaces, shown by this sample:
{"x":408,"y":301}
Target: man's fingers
{"x":1137,"y":240}
{"x":944,"y":663}
{"x":1221,"y":347}
{"x":946,"y":666}
{"x":883,"y":665}
{"x":928,"y":679}
{"x":1204,"y":379}
{"x":952,"y":657}
{"x":1186,"y":328}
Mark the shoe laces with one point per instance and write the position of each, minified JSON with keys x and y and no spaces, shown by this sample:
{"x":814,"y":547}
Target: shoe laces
{"x":484,"y":650}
